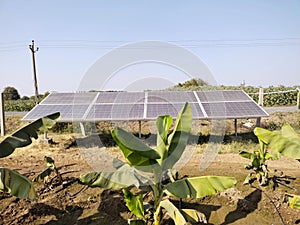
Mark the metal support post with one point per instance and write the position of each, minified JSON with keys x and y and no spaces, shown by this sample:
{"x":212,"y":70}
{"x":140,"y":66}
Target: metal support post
{"x":258,"y":120}
{"x":2,"y":116}
{"x":140,"y":129}
{"x":82,"y":129}
{"x":235,"y":127}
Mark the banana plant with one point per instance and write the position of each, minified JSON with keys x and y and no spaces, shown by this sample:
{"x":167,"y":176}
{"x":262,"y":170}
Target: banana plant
{"x":258,"y":164}
{"x":44,"y":176}
{"x":151,"y":170}
{"x":10,"y":181}
{"x":272,"y":145}
{"x":294,"y":201}
{"x":286,"y":143}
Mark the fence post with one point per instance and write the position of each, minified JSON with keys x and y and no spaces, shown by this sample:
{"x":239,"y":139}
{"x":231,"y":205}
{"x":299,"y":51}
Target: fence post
{"x":261,"y":97}
{"x":298,"y":99}
{"x":2,"y":117}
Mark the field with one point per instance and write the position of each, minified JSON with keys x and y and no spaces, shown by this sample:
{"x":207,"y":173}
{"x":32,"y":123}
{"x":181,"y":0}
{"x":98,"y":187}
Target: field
{"x":69,"y":203}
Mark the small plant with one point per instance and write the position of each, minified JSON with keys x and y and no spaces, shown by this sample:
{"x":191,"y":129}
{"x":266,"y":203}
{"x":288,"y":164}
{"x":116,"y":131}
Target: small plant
{"x":44,"y":176}
{"x":258,"y":165}
{"x":10,"y":181}
{"x":286,"y":143}
{"x":152,"y":172}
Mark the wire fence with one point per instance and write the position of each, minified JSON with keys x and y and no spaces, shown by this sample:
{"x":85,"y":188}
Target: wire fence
{"x":277,"y":98}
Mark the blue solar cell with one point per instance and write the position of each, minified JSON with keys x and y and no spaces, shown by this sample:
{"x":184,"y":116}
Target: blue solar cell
{"x":116,"y":112}
{"x":154,"y":110}
{"x":68,"y":112}
{"x":69,"y":98}
{"x":233,"y":110}
{"x":120,"y":97}
{"x":171,"y":97}
{"x":222,"y":96}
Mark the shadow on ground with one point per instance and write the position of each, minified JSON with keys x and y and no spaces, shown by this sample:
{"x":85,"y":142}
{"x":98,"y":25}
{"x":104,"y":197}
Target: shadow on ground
{"x":106,"y":140}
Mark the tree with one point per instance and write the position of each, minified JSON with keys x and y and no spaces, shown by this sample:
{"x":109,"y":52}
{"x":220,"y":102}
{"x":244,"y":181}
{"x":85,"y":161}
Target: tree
{"x":11,"y":93}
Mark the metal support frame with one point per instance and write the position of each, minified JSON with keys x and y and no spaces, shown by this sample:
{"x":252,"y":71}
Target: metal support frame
{"x":298,"y":99}
{"x":235,"y":127}
{"x":140,"y":129}
{"x":2,"y":116}
{"x":45,"y":135}
{"x":82,"y":129}
{"x":258,"y":120}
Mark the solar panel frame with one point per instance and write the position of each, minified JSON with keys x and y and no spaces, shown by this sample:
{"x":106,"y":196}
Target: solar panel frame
{"x":98,"y":106}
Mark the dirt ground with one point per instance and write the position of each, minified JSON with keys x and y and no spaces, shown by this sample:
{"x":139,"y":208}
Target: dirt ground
{"x":59,"y":204}
{"x":69,"y":203}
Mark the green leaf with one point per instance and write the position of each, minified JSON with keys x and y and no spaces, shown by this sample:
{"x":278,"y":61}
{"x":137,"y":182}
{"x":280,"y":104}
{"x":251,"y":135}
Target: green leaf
{"x":173,"y":212}
{"x":134,"y":204}
{"x":136,"y":152}
{"x":179,"y":137}
{"x":193,"y":216}
{"x":286,"y":146}
{"x":49,"y":161}
{"x":248,"y":179}
{"x":163,"y":124}
{"x":15,"y":184}
{"x":198,"y":187}
{"x":125,"y":176}
{"x":245,"y":154}
{"x":288,"y":132}
{"x":294,"y":201}
{"x":22,"y":137}
{"x":43,"y":175}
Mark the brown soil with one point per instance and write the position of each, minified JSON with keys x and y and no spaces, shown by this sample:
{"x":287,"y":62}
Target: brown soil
{"x":62,"y":204}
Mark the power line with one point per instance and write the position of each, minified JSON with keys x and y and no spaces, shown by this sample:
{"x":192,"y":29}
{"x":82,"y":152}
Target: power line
{"x":192,"y":43}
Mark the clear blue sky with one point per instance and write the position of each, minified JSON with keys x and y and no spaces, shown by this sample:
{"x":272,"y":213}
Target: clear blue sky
{"x":253,"y":40}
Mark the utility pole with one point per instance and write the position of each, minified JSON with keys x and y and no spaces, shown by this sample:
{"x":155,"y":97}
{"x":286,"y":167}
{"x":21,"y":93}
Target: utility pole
{"x":33,"y":51}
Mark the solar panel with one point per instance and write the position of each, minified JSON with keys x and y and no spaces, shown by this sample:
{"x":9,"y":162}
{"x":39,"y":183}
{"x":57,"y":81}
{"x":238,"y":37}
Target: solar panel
{"x":154,"y":110}
{"x":120,"y":97}
{"x":173,"y":97}
{"x":116,"y":112}
{"x":97,"y":106}
{"x":221,"y":96}
{"x":233,"y":110}
{"x":68,"y":112}
{"x":70,"y":98}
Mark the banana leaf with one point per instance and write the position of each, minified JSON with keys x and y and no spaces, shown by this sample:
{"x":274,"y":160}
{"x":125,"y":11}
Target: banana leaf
{"x":136,"y":153}
{"x":198,"y":187}
{"x":294,"y":201}
{"x":287,"y":143}
{"x":22,"y":137}
{"x":163,"y":124}
{"x":134,"y":204}
{"x":178,"y":139}
{"x":15,"y":184}
{"x":172,"y":211}
{"x":125,"y":176}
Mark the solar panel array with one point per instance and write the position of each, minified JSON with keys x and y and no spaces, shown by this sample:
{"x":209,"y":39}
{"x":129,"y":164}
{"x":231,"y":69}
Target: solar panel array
{"x":99,"y":106}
